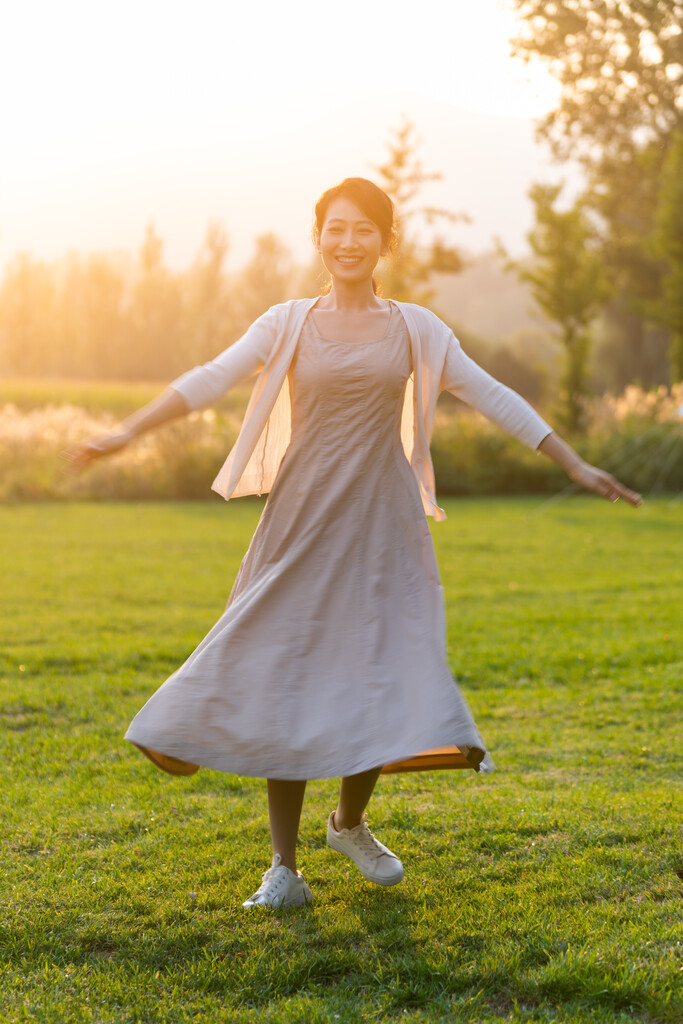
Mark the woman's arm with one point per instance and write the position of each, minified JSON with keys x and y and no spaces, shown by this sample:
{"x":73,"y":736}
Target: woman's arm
{"x":167,"y":406}
{"x":466,"y":380}
{"x":590,"y":477}
{"x":471,"y":384}
{"x":195,"y":389}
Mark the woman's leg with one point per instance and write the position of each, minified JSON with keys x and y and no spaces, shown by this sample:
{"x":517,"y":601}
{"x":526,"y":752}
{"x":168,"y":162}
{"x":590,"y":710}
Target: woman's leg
{"x":348,"y":834}
{"x":354,"y":794}
{"x":285,"y":799}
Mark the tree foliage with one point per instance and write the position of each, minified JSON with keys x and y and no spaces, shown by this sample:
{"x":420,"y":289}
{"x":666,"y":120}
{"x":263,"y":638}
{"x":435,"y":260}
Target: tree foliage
{"x":206,"y":300}
{"x":130,"y":317}
{"x":669,"y":246}
{"x":620,"y":65}
{"x":568,"y":285}
{"x":402,"y":176}
{"x":27,"y":315}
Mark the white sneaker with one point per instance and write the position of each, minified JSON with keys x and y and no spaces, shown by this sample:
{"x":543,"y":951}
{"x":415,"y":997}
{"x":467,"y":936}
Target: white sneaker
{"x":374,"y":861}
{"x":280,"y":888}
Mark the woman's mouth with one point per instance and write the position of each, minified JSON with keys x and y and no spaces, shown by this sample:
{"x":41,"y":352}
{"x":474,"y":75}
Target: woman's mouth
{"x":349,"y":260}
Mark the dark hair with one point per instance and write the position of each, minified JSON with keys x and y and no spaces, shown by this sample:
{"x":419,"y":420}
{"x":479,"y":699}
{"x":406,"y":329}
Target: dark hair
{"x":368,"y":197}
{"x":371,"y":200}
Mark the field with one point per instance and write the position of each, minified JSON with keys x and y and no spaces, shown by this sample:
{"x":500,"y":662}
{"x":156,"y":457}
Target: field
{"x":547,"y":891}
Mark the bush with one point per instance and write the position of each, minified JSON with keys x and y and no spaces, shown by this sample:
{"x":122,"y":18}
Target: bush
{"x":637,"y":436}
{"x":178,"y":461}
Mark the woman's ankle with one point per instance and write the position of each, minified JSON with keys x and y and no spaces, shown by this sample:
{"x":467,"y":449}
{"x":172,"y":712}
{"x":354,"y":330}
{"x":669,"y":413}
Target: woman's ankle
{"x":286,"y":862}
{"x":341,"y":823}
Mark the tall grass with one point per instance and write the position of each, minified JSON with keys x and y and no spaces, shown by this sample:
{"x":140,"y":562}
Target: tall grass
{"x":638,"y":436}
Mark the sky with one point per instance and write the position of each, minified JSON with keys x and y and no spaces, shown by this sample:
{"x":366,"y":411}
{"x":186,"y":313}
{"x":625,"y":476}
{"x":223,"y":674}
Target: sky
{"x":117,"y":114}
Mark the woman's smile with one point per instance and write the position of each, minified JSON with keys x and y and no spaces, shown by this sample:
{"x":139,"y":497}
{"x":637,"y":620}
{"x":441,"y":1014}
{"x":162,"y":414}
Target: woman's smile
{"x":349,"y":261}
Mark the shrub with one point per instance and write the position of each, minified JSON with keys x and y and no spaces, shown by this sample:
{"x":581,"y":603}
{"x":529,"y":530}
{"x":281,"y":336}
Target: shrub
{"x":178,"y":461}
{"x":638,"y":436}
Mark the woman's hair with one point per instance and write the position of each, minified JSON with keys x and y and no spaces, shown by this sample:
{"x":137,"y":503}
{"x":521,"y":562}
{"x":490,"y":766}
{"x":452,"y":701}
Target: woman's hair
{"x":370,"y":199}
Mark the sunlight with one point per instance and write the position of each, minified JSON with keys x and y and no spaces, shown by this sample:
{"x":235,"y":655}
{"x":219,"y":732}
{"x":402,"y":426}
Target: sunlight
{"x":108,"y":108}
{"x":156,"y":69}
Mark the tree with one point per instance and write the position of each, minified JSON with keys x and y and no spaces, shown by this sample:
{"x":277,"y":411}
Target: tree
{"x":620,"y":65}
{"x":27,"y":316}
{"x":624,"y":196}
{"x":669,"y":244}
{"x":151,"y":347}
{"x":264,"y":281}
{"x":89,"y":317}
{"x":208,"y":325}
{"x":402,"y":177}
{"x":568,"y":285}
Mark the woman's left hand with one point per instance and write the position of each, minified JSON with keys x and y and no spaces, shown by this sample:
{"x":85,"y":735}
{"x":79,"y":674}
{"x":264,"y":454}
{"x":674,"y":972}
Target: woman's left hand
{"x":590,"y":477}
{"x":604,"y":484}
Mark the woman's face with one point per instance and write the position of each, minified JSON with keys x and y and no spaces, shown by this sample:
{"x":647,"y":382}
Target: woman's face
{"x":350,"y":244}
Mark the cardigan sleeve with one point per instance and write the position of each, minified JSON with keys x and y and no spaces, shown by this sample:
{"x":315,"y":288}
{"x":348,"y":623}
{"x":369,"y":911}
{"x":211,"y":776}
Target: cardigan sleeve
{"x":466,"y":380}
{"x":204,"y":385}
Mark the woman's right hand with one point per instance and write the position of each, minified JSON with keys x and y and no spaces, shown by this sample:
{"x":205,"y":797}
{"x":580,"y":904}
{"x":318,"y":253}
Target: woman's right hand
{"x":80,"y":457}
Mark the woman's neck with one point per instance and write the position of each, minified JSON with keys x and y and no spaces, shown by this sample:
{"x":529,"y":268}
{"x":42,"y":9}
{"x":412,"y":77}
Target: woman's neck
{"x":351,"y":298}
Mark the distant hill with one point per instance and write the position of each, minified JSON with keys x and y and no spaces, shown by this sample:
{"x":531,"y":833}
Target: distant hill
{"x":487,"y":300}
{"x":494,"y":316}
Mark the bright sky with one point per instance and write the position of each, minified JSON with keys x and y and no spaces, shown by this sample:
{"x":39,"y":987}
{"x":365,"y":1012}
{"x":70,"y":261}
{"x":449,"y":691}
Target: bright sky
{"x":117,"y":112}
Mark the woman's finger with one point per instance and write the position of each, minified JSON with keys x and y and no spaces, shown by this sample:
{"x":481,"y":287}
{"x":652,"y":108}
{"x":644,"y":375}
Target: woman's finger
{"x":632,"y":497}
{"x":78,"y":458}
{"x":612,"y":489}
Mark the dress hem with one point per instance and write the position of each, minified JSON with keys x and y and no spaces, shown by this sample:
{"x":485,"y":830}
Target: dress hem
{"x":436,"y":758}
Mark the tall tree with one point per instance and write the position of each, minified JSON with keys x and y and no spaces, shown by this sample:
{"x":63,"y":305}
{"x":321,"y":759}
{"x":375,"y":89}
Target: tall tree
{"x":90,"y":314}
{"x":152,"y":347}
{"x":27,"y":317}
{"x":669,"y":244}
{"x":568,"y":285}
{"x":402,"y":176}
{"x":265,"y":279}
{"x":208,"y":322}
{"x":620,"y":65}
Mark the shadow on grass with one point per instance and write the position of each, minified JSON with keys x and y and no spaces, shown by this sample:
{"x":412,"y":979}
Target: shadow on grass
{"x":368,"y":945}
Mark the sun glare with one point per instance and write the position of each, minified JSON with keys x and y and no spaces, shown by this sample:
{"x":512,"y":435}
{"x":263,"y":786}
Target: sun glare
{"x":120,"y":101}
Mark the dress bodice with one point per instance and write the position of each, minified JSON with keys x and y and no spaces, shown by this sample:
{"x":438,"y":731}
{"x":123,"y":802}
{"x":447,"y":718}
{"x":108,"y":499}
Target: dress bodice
{"x":348,"y":394}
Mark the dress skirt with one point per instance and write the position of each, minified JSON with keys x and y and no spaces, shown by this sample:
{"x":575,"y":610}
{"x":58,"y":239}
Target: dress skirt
{"x":330,"y":657}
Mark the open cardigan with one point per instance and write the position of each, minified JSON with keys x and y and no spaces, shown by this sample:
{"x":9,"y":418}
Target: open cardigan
{"x":268,"y":347}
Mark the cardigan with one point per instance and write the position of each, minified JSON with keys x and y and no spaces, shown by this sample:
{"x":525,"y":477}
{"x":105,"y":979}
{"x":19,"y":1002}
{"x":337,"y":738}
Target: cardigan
{"x":268,"y":347}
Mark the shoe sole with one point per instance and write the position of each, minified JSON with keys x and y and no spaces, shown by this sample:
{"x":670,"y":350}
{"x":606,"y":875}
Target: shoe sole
{"x":376,"y":881}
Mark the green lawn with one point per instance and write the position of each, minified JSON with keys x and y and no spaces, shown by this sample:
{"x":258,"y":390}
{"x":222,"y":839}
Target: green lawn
{"x":544,"y":892}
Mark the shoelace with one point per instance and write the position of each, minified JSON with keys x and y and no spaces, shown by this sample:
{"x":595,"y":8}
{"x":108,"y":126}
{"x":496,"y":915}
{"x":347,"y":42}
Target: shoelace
{"x":270,"y":886}
{"x":367,"y":841}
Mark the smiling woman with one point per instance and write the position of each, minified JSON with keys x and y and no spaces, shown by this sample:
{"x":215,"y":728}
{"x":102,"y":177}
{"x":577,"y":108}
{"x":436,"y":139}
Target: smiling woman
{"x":330,"y":657}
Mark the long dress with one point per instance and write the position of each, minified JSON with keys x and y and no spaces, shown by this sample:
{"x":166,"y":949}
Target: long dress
{"x":330,"y":657}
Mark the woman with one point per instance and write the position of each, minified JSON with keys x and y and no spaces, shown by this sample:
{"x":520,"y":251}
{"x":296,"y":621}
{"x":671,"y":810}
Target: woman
{"x":330,"y":659}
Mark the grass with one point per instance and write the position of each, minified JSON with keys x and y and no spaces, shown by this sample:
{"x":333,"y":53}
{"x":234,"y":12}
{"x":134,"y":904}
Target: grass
{"x":118,"y":398}
{"x":546,"y":892}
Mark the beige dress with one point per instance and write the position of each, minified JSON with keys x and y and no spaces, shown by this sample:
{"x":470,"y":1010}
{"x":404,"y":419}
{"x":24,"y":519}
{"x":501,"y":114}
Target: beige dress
{"x":330,"y":657}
